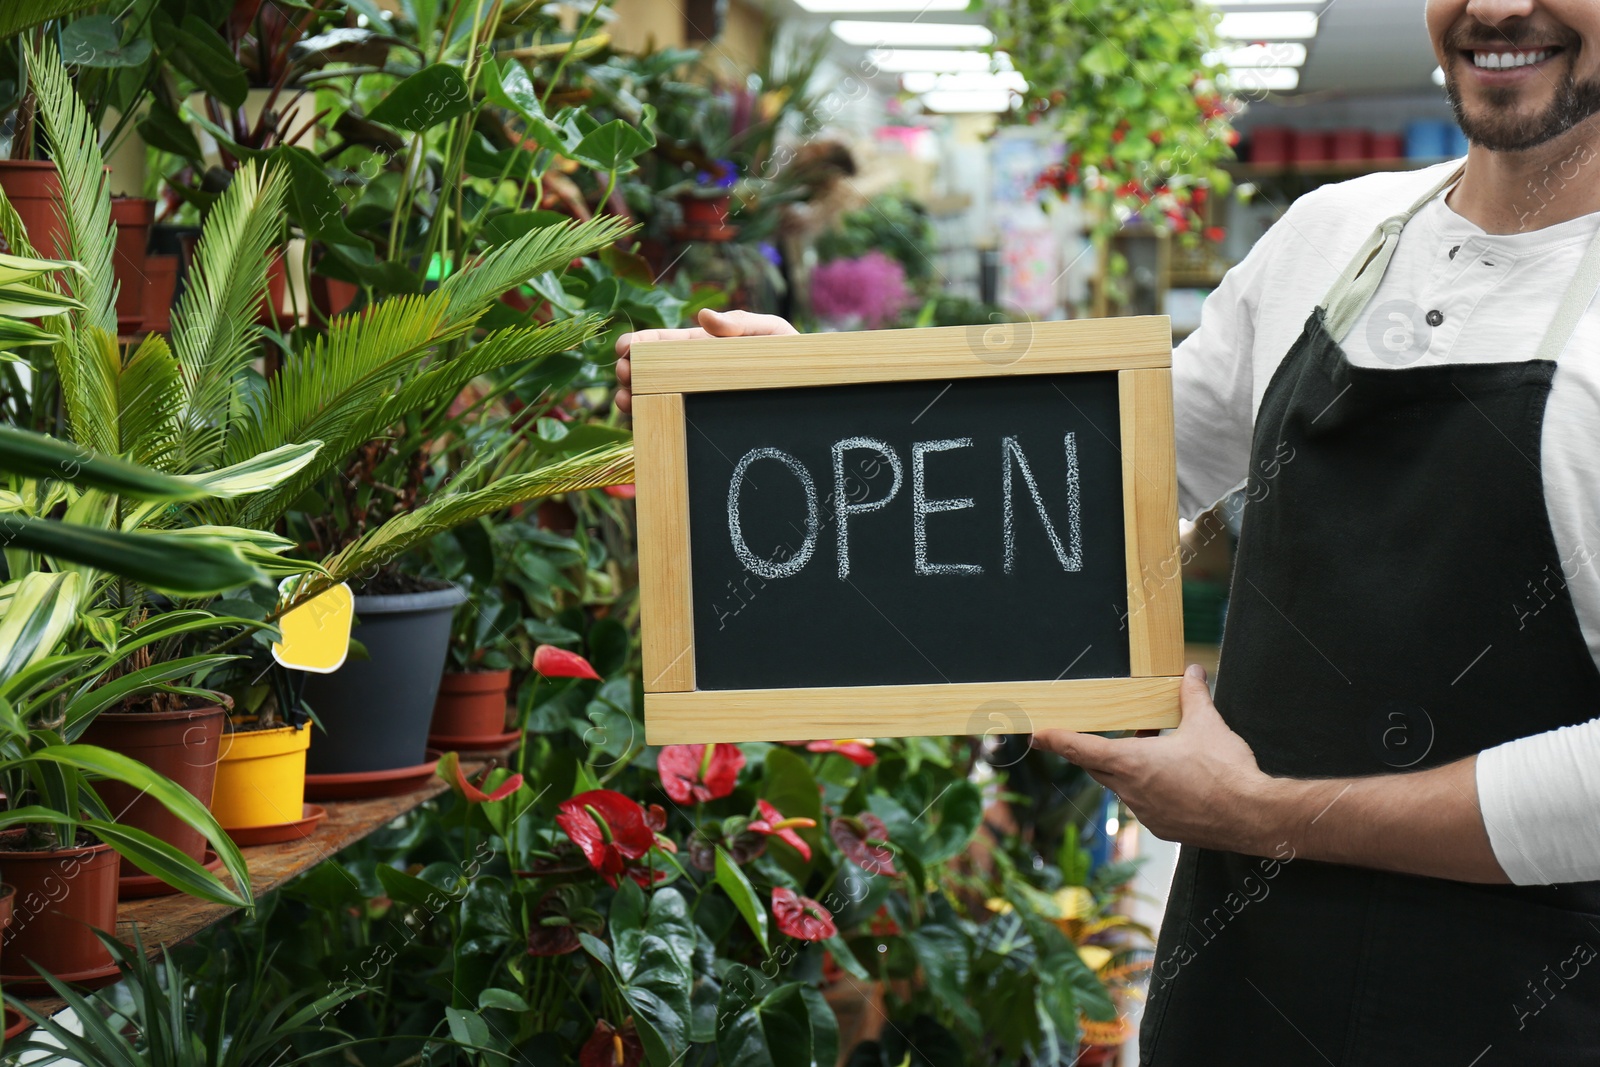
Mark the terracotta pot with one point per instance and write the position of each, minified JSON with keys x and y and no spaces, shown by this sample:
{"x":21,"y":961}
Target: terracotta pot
{"x":277,"y":288}
{"x":261,"y":778}
{"x":34,"y":189}
{"x":61,"y":898}
{"x":133,"y":217}
{"x":332,"y":296}
{"x":471,"y":704}
{"x":160,"y":292}
{"x":8,"y":898}
{"x":181,"y":745}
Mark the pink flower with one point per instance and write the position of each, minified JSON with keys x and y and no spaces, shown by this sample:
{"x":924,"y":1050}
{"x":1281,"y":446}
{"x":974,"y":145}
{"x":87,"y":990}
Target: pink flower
{"x":857,"y":750}
{"x":872,"y":287}
{"x":553,"y":662}
{"x":800,"y":916}
{"x":773,"y":823}
{"x":699,"y":772}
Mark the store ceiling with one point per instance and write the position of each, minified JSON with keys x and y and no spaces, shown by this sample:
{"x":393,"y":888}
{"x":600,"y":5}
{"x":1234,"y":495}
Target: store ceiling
{"x":1369,"y":46}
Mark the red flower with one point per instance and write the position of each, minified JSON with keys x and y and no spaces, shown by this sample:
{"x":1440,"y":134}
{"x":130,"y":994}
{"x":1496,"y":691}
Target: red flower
{"x":1215,"y":234}
{"x":863,"y":839}
{"x":699,"y":772}
{"x":773,"y":823}
{"x":621,"y":492}
{"x":857,"y":750}
{"x":449,"y":770}
{"x":1155,"y":136}
{"x":555,"y":662}
{"x":611,"y":1047}
{"x":800,"y":916}
{"x":609,"y":828}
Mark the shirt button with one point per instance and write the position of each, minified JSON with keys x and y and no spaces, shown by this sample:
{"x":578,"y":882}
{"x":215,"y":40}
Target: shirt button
{"x":1435,"y":318}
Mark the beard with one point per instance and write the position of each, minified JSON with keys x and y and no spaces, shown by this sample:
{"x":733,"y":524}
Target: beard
{"x":1499,"y":129}
{"x":1497,"y":126}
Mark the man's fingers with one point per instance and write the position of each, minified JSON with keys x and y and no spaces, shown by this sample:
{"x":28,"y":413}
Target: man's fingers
{"x":1195,"y":698}
{"x":1086,"y":750}
{"x":626,"y":342}
{"x":743,"y":324}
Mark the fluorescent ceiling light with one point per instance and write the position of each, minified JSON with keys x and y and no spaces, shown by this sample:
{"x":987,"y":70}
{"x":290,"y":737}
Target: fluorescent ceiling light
{"x":867,"y":7}
{"x":913,"y":34}
{"x":1276,"y":54}
{"x":899,"y":61}
{"x":926,"y":81}
{"x":1261,"y":79}
{"x":963,"y":103}
{"x":1268,"y":25}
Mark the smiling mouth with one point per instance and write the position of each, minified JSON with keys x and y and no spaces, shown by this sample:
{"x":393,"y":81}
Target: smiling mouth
{"x":1501,"y":59}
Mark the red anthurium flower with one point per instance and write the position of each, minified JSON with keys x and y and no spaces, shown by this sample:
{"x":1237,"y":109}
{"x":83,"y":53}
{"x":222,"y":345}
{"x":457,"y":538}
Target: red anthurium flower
{"x":553,"y":662}
{"x":863,"y":840}
{"x":857,"y":750}
{"x":772,"y":822}
{"x":800,"y":916}
{"x":609,"y":1046}
{"x":621,"y":492}
{"x":699,"y":772}
{"x":450,"y":770}
{"x":609,"y":828}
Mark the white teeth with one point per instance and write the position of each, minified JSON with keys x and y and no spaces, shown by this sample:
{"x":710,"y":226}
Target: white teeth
{"x":1508,"y":60}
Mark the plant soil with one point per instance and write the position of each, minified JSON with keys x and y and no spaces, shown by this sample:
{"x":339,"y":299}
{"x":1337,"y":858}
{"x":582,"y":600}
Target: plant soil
{"x":392,"y":583}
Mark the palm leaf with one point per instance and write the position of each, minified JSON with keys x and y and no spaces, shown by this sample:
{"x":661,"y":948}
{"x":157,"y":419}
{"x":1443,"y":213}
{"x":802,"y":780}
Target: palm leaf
{"x":214,"y":329}
{"x":435,"y":386}
{"x":513,"y":263}
{"x":149,"y":400}
{"x":612,"y":465}
{"x":19,"y":15}
{"x":86,"y":210}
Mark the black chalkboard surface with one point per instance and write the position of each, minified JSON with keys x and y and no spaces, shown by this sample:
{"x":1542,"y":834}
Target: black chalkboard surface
{"x":906,"y":532}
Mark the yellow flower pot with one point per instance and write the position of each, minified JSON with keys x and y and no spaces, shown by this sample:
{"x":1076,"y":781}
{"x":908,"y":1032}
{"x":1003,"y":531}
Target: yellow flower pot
{"x":261,"y":777}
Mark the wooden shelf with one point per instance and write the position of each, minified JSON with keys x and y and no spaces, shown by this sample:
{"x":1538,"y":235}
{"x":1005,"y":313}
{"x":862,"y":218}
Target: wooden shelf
{"x":168,"y":920}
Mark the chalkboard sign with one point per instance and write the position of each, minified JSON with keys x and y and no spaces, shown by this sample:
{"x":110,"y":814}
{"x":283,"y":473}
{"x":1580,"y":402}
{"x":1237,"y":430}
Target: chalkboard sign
{"x":908,"y":532}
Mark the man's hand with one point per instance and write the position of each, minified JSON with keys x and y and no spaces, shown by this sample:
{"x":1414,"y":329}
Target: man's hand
{"x":712,"y":324}
{"x":1198,"y":784}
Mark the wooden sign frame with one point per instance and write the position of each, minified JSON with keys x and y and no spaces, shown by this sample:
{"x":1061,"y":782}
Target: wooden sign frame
{"x":1139,"y":349}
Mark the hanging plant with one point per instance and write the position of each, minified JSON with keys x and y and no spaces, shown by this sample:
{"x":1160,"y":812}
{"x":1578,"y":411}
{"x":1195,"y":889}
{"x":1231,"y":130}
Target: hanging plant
{"x":1127,"y":85}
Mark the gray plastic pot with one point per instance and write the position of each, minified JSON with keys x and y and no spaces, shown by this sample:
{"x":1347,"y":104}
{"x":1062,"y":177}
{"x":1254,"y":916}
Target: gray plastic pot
{"x":377,"y":710}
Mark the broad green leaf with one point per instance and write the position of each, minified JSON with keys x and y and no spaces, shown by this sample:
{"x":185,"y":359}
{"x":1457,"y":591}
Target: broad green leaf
{"x":432,"y":95}
{"x":791,"y":788}
{"x":313,"y":203}
{"x":200,"y":52}
{"x":39,"y":615}
{"x":511,"y":88}
{"x":39,"y":456}
{"x":186,"y":566}
{"x":162,"y":129}
{"x":154,"y":856}
{"x":257,"y":474}
{"x":960,"y":813}
{"x":504,"y":999}
{"x":19,"y":300}
{"x":22,"y":268}
{"x":95,"y":41}
{"x":743,"y":894}
{"x":616,"y":144}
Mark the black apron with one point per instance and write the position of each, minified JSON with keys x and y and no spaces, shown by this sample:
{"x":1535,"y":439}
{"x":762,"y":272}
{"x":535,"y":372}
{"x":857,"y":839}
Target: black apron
{"x":1381,"y":620}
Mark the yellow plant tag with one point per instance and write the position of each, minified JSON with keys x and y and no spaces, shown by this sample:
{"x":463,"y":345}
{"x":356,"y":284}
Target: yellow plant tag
{"x":316,"y":634}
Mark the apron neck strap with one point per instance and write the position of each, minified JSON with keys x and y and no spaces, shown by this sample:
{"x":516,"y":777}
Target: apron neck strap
{"x":1353,"y":289}
{"x":1580,"y":294}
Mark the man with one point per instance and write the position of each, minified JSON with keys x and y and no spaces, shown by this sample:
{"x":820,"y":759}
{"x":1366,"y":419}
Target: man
{"x":1391,"y":814}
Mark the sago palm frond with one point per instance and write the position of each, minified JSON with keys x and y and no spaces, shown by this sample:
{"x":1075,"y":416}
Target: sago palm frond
{"x":513,"y":263}
{"x":214,"y":329}
{"x":612,"y":465}
{"x":86,"y":210}
{"x":347,"y":371}
{"x":436,"y":385}
{"x":19,"y":15}
{"x":149,"y":400}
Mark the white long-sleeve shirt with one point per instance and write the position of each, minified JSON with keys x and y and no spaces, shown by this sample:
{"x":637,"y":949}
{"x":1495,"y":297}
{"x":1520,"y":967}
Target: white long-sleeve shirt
{"x":1493,"y":295}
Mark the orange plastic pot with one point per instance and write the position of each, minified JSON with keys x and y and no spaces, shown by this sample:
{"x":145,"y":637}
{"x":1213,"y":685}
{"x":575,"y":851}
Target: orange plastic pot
{"x":261,"y":778}
{"x":180,"y":745}
{"x":471,"y":704}
{"x":61,"y":898}
{"x":34,"y":189}
{"x":133,"y":217}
